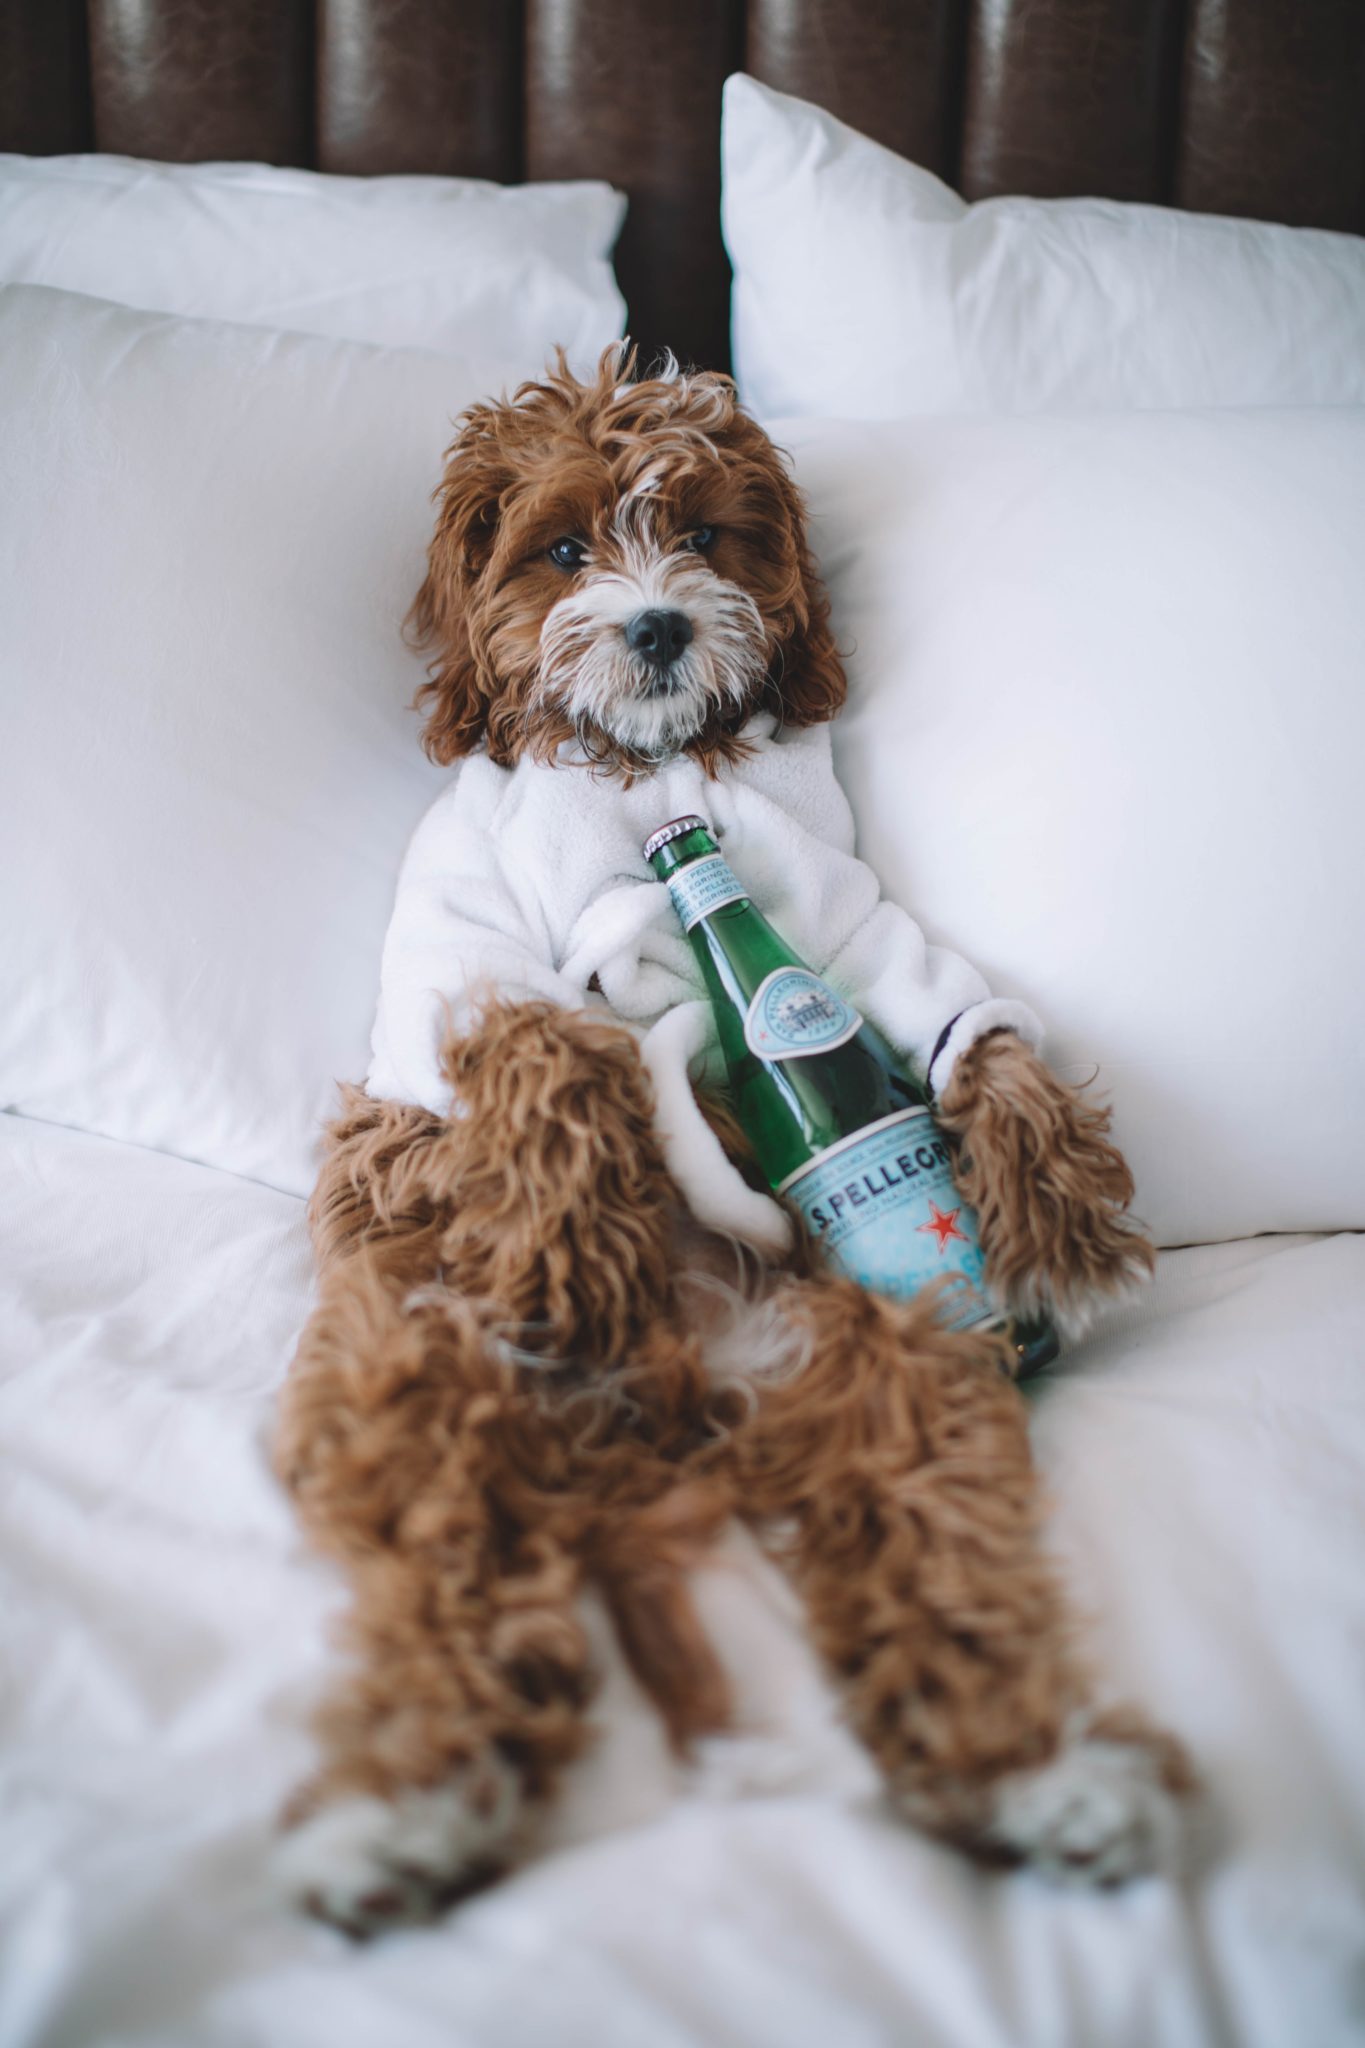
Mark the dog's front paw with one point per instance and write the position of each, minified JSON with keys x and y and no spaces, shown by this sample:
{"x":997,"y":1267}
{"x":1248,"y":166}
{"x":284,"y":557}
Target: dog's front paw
{"x":367,"y":1864}
{"x":1107,"y":1808}
{"x":1050,"y":1190}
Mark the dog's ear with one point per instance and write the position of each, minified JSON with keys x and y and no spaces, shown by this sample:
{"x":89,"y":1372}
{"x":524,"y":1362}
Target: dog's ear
{"x":458,"y":693}
{"x":806,"y":684}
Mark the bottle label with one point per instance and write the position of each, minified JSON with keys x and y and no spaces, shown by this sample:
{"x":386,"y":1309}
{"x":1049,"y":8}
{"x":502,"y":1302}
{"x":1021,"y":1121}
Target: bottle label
{"x":885,"y":1206}
{"x":703,"y":886}
{"x":794,"y":1013}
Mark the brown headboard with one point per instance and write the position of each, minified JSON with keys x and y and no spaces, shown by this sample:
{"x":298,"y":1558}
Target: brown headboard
{"x":1230,"y":106}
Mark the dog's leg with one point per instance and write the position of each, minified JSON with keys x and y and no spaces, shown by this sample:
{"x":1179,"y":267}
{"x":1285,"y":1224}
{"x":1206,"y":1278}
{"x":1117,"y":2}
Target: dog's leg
{"x":469,"y":1670}
{"x":469,"y":1263}
{"x":1049,"y":1188}
{"x":892,"y":1457}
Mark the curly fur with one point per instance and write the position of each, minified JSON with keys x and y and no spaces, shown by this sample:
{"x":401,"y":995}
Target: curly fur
{"x":560,"y":459}
{"x":529,"y":1371}
{"x":897,"y":1461}
{"x":474,"y":1465}
{"x":491,"y":1401}
{"x":1049,"y":1189}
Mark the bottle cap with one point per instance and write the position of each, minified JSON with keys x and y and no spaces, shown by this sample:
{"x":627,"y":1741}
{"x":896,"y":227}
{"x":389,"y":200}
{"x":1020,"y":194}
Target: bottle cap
{"x":674,"y":829}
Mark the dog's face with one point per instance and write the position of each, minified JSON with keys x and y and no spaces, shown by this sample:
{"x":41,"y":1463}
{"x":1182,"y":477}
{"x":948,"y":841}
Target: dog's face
{"x":623,"y":565}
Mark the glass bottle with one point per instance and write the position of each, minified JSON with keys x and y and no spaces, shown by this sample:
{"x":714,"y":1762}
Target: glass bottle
{"x":839,"y":1129}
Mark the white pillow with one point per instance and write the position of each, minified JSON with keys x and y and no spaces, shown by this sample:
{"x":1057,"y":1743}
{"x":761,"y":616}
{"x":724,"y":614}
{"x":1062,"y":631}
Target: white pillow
{"x":1106,"y":736}
{"x":866,"y":289}
{"x":490,"y":272}
{"x":209,"y":535}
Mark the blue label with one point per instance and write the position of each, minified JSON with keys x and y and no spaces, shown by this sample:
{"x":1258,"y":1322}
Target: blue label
{"x":886,"y":1208}
{"x":794,"y":1013}
{"x":703,"y":886}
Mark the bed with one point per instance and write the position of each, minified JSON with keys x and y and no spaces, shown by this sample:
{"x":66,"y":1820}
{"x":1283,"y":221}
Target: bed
{"x":163,"y":1632}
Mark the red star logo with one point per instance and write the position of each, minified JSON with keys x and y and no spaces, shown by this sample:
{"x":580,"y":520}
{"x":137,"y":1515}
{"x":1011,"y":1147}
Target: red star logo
{"x":944,"y":1227}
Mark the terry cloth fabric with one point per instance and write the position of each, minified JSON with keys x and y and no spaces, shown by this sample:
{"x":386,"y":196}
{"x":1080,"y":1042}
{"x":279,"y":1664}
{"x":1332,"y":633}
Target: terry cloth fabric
{"x":529,"y":882}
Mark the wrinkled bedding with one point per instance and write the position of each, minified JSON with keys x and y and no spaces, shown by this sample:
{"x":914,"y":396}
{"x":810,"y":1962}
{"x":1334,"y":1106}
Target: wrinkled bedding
{"x":162,"y":1634}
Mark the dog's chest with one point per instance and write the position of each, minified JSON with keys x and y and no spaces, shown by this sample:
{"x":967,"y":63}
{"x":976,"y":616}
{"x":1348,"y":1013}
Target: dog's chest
{"x":569,"y":841}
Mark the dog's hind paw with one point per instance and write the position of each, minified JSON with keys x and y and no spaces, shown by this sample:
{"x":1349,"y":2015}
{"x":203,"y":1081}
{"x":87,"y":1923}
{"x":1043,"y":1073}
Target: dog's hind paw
{"x":1107,"y":1808}
{"x":368,"y":1864}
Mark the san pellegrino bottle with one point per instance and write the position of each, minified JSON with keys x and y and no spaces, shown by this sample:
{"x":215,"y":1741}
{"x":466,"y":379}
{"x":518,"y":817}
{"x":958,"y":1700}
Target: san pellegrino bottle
{"x":839,"y":1129}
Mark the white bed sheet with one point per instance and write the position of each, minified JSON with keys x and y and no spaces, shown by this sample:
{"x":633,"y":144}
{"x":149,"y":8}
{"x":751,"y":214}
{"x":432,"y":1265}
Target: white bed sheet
{"x":161,"y":1634}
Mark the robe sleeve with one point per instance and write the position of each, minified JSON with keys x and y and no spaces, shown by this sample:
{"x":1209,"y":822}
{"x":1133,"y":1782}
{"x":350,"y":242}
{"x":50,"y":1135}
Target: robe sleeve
{"x":462,"y":930}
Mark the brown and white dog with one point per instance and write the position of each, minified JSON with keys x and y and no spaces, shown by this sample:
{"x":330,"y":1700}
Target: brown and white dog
{"x":524,"y":1375}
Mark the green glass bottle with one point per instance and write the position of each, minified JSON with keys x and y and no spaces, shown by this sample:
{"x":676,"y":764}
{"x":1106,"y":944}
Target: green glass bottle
{"x":839,"y":1129}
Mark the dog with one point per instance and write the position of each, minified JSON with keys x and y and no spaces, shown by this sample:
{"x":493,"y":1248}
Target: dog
{"x":539,"y":1362}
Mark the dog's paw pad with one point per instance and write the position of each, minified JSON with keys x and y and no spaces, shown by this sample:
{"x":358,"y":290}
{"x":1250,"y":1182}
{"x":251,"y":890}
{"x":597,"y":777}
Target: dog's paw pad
{"x":1100,"y":1813}
{"x":367,"y":1864}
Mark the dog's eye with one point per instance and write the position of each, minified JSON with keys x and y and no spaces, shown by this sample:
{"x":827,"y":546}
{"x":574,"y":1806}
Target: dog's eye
{"x":701,"y":540}
{"x":567,"y":553}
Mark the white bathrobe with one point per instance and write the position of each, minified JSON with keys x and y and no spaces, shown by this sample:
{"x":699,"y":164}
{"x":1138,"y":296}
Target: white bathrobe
{"x":530,"y":882}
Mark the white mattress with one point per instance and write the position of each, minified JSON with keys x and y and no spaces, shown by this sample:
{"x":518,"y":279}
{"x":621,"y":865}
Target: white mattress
{"x":162,"y":1634}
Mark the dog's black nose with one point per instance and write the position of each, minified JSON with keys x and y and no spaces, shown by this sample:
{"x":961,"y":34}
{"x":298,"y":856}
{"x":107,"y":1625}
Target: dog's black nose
{"x":659,"y":636}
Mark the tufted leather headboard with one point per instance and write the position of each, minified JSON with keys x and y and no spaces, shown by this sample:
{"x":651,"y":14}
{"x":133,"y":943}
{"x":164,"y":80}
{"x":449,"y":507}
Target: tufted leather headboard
{"x":1231,"y":106}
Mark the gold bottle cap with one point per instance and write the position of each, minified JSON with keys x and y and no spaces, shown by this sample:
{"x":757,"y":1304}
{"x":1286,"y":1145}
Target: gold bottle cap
{"x":675,"y":829}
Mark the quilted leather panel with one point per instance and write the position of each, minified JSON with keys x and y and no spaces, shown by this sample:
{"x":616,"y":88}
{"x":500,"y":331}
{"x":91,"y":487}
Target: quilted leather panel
{"x":890,"y":69}
{"x":194,"y":80}
{"x":419,"y":85}
{"x":1071,"y":97}
{"x":1274,"y":101}
{"x":630,"y":93}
